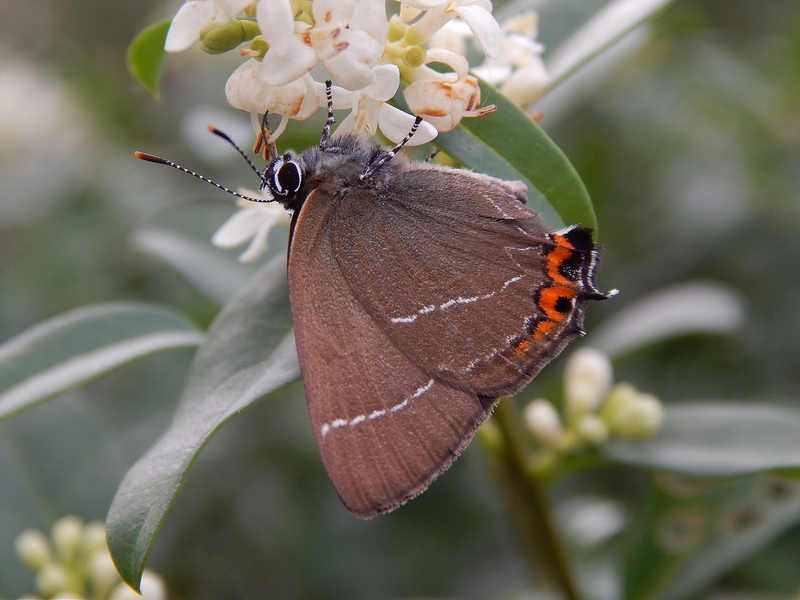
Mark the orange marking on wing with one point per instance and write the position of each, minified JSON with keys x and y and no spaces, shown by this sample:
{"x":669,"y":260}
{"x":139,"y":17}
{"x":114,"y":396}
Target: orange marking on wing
{"x":550,"y":295}
{"x":554,"y":259}
{"x":561,"y":241}
{"x":521,"y":346}
{"x":541,"y":328}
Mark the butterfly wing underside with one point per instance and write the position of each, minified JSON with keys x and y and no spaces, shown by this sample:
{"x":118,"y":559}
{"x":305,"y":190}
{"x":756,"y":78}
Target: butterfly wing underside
{"x":398,"y":382}
{"x":384,"y":428}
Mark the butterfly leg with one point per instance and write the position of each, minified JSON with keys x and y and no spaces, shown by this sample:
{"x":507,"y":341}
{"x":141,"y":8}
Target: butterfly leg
{"x":325,"y":138}
{"x":385,"y":157}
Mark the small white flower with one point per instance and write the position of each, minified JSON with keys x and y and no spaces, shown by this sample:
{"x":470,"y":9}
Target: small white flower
{"x":477,"y":14}
{"x":191,"y":17}
{"x":348,"y":52}
{"x":253,"y":222}
{"x":371,"y":112}
{"x":297,"y":99}
{"x":443,"y":103}
{"x":518,"y":68}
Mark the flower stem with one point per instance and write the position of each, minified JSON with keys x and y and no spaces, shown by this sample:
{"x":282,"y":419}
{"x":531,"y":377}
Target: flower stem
{"x":530,"y":505}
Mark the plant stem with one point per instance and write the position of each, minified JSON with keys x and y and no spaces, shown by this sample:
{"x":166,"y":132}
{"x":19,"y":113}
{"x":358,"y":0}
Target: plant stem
{"x":530,"y":505}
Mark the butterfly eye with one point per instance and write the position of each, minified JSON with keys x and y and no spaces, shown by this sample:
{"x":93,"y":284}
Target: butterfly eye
{"x":287,"y":178}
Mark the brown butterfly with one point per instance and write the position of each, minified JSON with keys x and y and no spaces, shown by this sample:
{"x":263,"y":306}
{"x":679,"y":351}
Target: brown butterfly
{"x":420,"y":295}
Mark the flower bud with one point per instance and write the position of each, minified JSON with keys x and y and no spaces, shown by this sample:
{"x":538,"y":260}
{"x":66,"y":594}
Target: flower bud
{"x":33,"y":549}
{"x":53,"y":579}
{"x":592,"y":429}
{"x":67,"y":533}
{"x":587,"y":377}
{"x":544,"y":423}
{"x":93,"y":539}
{"x":641,"y":418}
{"x":102,"y":574}
{"x":216,"y":38}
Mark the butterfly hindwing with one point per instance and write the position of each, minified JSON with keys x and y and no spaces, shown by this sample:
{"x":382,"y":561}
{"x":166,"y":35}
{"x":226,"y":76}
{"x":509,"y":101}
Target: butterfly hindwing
{"x":495,"y":295}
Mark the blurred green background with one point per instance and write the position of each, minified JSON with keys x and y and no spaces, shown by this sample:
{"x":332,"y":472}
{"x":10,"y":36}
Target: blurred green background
{"x":687,"y":137}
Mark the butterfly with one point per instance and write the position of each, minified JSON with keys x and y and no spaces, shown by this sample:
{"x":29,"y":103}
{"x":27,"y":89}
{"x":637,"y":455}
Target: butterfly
{"x":421,"y":294}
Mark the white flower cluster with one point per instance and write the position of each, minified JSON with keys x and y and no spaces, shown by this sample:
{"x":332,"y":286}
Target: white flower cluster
{"x":366,"y":54}
{"x":594,"y":409}
{"x":74,"y":563}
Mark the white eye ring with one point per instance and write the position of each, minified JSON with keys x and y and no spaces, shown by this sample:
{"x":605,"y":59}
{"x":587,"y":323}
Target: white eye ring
{"x":286,"y":176}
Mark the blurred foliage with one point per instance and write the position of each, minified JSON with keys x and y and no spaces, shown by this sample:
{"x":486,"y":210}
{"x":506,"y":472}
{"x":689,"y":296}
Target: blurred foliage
{"x":688,"y":144}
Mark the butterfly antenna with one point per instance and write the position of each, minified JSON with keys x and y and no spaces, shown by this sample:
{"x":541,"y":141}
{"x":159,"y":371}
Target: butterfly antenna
{"x":164,"y":161}
{"x":325,"y":138}
{"x":225,"y":137}
{"x":385,"y":157}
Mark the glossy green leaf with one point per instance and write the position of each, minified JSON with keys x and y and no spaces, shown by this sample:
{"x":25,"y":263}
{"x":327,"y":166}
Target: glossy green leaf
{"x":508,"y":144}
{"x":717,"y":439}
{"x":249,"y":352}
{"x":72,"y":349}
{"x":145,"y":56}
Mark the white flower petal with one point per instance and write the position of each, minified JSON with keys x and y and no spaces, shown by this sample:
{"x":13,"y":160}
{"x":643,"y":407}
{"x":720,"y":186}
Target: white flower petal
{"x":455,"y":61}
{"x":425,"y":4}
{"x":329,"y":13}
{"x":386,"y":84}
{"x":370,"y":16}
{"x":395,"y":125}
{"x":239,"y":228}
{"x":228,"y":9}
{"x":485,"y":29}
{"x":276,"y":21}
{"x":352,"y":67}
{"x":185,"y":28}
{"x":282,"y":68}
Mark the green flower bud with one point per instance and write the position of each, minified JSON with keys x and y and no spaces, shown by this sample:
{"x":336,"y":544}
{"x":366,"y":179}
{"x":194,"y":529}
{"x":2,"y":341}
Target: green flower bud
{"x":414,"y":56}
{"x":33,"y":549}
{"x":67,"y":535}
{"x":544,"y":423}
{"x":619,"y":397}
{"x":636,"y":417}
{"x":592,"y":429}
{"x":217,"y":38}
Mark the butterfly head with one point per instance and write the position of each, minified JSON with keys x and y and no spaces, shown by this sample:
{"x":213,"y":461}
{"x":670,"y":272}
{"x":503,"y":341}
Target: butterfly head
{"x":283,"y":177}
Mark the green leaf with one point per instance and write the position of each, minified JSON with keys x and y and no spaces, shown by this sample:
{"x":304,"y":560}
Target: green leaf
{"x":692,"y":307}
{"x":606,"y":27}
{"x":692,"y":531}
{"x":508,"y":144}
{"x":181,"y":237}
{"x":79,"y":346}
{"x":717,"y":439}
{"x":145,"y":56}
{"x":249,"y":352}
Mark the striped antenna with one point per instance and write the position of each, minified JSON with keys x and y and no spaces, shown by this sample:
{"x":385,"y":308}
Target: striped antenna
{"x":227,"y":138}
{"x":157,"y":159}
